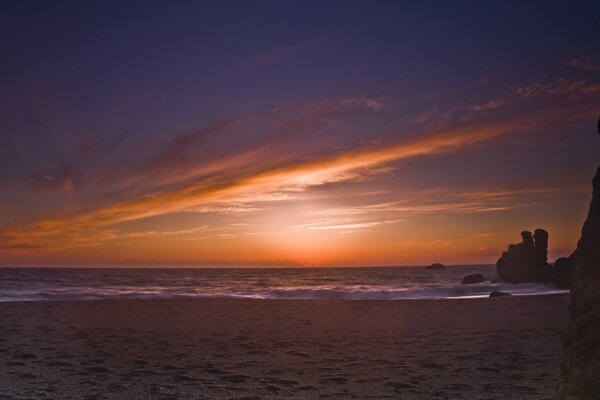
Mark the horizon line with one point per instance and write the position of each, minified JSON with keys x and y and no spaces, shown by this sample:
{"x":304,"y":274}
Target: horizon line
{"x":247,"y":266}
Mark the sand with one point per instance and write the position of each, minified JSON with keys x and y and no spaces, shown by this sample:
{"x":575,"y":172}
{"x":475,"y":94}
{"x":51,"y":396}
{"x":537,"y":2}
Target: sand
{"x":501,"y":348}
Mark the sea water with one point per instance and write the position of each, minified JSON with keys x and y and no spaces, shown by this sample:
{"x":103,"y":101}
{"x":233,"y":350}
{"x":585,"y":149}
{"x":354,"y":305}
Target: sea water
{"x":372,"y":283}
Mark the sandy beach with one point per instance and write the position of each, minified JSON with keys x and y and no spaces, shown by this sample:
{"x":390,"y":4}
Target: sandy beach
{"x":501,"y":348}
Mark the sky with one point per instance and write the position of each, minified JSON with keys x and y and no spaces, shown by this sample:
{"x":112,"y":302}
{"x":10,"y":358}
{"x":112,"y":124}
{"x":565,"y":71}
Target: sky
{"x":315,"y":133}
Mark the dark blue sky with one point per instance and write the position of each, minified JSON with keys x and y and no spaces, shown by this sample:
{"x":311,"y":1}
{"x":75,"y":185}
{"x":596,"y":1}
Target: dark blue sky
{"x":193,"y":61}
{"x":104,"y":103}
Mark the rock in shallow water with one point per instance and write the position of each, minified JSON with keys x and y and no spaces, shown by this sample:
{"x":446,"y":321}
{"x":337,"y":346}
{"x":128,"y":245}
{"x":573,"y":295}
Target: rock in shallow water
{"x":526,"y":261}
{"x":496,"y":293}
{"x":473,"y":278}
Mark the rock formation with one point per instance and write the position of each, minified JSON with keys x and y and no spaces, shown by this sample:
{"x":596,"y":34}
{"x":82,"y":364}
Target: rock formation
{"x":496,"y":293}
{"x":540,"y":237}
{"x":526,"y":261}
{"x":563,"y":272}
{"x":473,"y":278}
{"x":581,"y":366}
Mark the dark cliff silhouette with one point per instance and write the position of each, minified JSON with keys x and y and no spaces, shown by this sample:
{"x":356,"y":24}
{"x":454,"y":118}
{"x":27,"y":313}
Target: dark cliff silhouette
{"x":526,"y":261}
{"x":581,"y":366}
{"x":563,"y":272}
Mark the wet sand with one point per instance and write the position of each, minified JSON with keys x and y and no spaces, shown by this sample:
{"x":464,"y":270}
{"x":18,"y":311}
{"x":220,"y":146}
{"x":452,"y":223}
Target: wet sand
{"x":500,"y":348}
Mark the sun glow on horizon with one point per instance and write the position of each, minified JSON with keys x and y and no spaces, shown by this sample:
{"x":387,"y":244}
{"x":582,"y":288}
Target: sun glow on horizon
{"x":301,"y":148}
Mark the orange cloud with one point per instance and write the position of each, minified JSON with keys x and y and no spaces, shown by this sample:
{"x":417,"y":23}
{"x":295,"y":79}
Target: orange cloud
{"x":90,"y":225}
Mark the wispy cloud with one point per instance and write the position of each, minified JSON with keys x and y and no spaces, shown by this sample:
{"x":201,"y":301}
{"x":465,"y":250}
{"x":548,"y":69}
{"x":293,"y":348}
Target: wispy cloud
{"x":584,"y":64}
{"x":437,"y":118}
{"x":330,"y":106}
{"x":278,"y":54}
{"x":489,"y":105}
{"x":445,"y":200}
{"x":573,"y":88}
{"x":345,"y":227}
{"x":157,"y":233}
{"x":284,"y":180}
{"x":370,"y":103}
{"x":60,"y":179}
{"x":226,"y":209}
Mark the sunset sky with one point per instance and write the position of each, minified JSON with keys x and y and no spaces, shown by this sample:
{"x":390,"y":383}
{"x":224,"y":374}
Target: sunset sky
{"x":293,"y":133}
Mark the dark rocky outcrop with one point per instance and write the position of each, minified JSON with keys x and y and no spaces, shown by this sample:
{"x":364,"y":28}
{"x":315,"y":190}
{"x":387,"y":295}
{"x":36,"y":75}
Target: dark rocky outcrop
{"x":526,"y":261}
{"x":436,"y":266}
{"x":563,"y":272}
{"x":496,"y":293}
{"x":473,"y":278}
{"x":581,"y":366}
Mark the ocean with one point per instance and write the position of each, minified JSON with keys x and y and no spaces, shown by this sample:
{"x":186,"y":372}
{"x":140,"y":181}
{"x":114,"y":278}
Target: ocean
{"x":372,"y":283}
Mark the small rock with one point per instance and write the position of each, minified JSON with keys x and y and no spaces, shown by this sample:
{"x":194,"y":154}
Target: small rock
{"x":496,"y":293}
{"x":473,"y":278}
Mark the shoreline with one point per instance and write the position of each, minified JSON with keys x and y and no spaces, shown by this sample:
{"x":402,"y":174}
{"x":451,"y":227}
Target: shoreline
{"x":506,"y":348}
{"x":559,"y":292}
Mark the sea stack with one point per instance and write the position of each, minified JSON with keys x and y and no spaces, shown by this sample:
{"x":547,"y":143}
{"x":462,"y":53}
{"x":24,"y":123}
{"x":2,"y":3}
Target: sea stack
{"x":526,"y":261}
{"x":581,"y":366}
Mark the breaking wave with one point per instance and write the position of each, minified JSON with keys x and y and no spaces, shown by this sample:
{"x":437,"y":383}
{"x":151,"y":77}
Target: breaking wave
{"x":383,"y":283}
